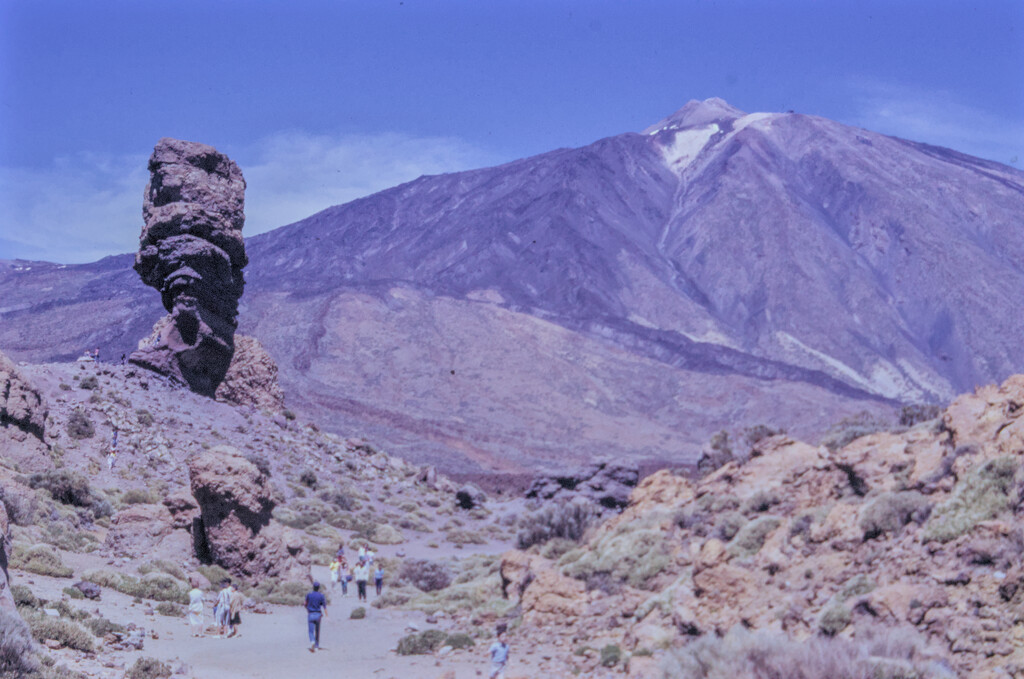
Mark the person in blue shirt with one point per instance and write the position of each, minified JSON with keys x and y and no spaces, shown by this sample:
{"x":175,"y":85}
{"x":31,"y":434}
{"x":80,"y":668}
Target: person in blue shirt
{"x":499,"y":655}
{"x":316,"y":608}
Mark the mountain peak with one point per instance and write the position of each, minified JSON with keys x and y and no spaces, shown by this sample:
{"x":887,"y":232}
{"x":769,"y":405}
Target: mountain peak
{"x":698,"y":113}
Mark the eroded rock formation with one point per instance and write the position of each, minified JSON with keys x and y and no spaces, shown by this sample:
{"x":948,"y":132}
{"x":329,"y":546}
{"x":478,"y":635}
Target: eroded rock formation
{"x":21,"y":406}
{"x":191,"y":250}
{"x":235,"y":529}
{"x":605,"y":483}
{"x":252,"y":377}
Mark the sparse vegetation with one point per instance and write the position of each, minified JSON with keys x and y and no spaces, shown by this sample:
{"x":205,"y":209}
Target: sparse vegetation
{"x":288,"y":593}
{"x":69,"y":634}
{"x":155,"y":586}
{"x":358,"y":613}
{"x":426,"y":575}
{"x":170,"y":609}
{"x":89,"y":382}
{"x":981,"y":495}
{"x":100,"y":626}
{"x":611,"y":655}
{"x":917,"y":413}
{"x":750,"y":538}
{"x":137,"y":496}
{"x":565,"y":520}
{"x":41,"y":560}
{"x":718,"y":453}
{"x":421,"y":643}
{"x":144,"y":417}
{"x":17,"y":655}
{"x":80,"y":426}
{"x":634,"y":552}
{"x":148,"y":668}
{"x":888,"y":513}
{"x":308,"y":478}
{"x":71,"y":488}
{"x":850,"y":429}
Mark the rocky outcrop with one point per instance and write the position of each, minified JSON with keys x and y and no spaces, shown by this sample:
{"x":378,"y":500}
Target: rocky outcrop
{"x":915,"y":530}
{"x":21,"y":405}
{"x":235,"y":528}
{"x":251,"y":379}
{"x":605,"y":483}
{"x":191,"y":250}
{"x":138,"y":529}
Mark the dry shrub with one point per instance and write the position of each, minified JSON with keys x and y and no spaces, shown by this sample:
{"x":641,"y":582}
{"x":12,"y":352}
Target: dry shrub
{"x":41,"y":560}
{"x":852,"y":428}
{"x":751,"y":536}
{"x":981,"y":495}
{"x":635,"y":552}
{"x":426,"y":575}
{"x":80,"y":426}
{"x":68,"y":633}
{"x":155,"y":586}
{"x":742,"y":654}
{"x":565,"y":520}
{"x":888,"y":513}
{"x":422,"y":643}
{"x":137,"y":496}
{"x":148,"y":668}
{"x":917,"y":413}
{"x":17,"y":657}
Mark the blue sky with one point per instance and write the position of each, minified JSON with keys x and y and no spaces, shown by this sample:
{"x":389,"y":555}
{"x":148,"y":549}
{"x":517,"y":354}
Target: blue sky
{"x":323,"y":102}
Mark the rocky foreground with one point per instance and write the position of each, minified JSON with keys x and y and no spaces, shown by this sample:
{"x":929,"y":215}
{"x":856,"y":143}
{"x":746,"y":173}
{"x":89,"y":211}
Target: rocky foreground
{"x":896,"y":555}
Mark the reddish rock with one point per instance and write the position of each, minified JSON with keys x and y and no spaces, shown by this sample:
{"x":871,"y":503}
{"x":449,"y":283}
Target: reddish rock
{"x":138,"y":529}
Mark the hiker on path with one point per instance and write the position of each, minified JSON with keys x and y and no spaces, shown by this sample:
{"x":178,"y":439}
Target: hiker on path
{"x":346,"y":577}
{"x":362,"y":575}
{"x":195,"y":610}
{"x":378,"y":579}
{"x":111,"y":458}
{"x":316,"y":609}
{"x":235,"y":610}
{"x":499,"y":655}
{"x":336,"y":573}
{"x":223,"y":609}
{"x":340,"y":554}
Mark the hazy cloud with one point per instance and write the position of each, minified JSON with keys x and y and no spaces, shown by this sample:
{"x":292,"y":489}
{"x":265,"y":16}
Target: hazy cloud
{"x":937,"y":118}
{"x":85,"y":207}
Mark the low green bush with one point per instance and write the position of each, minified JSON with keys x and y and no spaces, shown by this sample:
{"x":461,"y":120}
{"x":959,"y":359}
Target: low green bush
{"x":357,"y":613}
{"x":564,"y":520}
{"x":981,"y":495}
{"x":100,"y":626}
{"x":73,"y":593}
{"x":137,"y":496}
{"x":459,"y":640}
{"x":79,"y":426}
{"x":611,"y":655}
{"x":834,"y":618}
{"x":23,"y":596}
{"x":69,"y":634}
{"x":289,"y":593}
{"x":426,"y":575}
{"x":170,"y":609}
{"x":888,"y":513}
{"x":164,"y":566}
{"x":90,"y":382}
{"x":634,"y":552}
{"x":751,"y":537}
{"x":143,"y":417}
{"x":421,"y":643}
{"x":155,"y":586}
{"x":41,"y":560}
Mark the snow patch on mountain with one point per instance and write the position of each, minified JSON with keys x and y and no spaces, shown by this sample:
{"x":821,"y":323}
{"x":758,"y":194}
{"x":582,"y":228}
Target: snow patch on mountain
{"x":686,"y":145}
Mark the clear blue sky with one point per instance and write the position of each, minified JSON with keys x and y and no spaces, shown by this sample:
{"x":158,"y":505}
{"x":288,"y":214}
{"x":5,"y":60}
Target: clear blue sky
{"x":320,"y":102}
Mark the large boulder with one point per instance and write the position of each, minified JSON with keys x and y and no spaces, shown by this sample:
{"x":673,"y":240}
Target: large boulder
{"x":138,"y":529}
{"x":234,"y":528}
{"x":605,"y":483}
{"x":21,"y":405}
{"x":251,"y":379}
{"x":191,"y":250}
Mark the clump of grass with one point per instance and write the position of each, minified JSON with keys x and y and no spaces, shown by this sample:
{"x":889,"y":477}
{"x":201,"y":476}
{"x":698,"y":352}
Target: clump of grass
{"x":80,"y":426}
{"x":357,"y":613}
{"x":155,"y":586}
{"x":421,"y":643}
{"x":611,"y":655}
{"x":565,"y":520}
{"x":164,"y":566}
{"x":148,"y":668}
{"x":100,"y":626}
{"x":459,"y":641}
{"x":137,"y":496}
{"x":69,"y":634}
{"x":288,"y":593}
{"x":23,"y":597}
{"x":41,"y":560}
{"x":981,"y":495}
{"x":465,"y":537}
{"x":749,"y":540}
{"x":888,"y":513}
{"x":73,"y":593}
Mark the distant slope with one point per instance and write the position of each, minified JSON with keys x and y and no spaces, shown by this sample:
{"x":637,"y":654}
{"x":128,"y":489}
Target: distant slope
{"x":626,"y":298}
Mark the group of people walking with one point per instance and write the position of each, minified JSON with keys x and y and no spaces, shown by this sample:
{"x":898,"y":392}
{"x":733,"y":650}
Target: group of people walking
{"x":227,"y":611}
{"x":361,"y":573}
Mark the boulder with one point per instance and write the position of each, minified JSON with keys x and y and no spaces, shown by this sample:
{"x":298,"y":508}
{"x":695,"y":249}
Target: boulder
{"x":234,"y":530}
{"x":138,"y":529}
{"x":608,"y":484}
{"x":90,"y":590}
{"x":21,"y":405}
{"x":251,"y":379}
{"x":191,"y":250}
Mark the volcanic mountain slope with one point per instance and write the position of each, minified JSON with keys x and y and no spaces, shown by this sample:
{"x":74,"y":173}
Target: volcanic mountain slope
{"x":627,"y":298}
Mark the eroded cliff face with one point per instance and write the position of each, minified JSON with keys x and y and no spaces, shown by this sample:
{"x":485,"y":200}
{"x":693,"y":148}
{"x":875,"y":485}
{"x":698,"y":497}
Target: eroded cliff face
{"x":191,"y":250}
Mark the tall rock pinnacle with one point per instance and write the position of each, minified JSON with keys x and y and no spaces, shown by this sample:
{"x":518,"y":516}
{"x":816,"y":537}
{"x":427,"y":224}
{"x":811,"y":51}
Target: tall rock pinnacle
{"x":191,"y":250}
